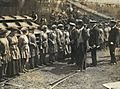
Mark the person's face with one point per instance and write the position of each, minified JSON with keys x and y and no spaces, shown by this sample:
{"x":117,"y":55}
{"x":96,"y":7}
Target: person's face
{"x":13,"y":33}
{"x":112,"y":24}
{"x":31,"y":31}
{"x":54,"y":28}
{"x":44,"y":30}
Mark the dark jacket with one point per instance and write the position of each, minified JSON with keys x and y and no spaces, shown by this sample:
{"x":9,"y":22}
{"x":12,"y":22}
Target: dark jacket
{"x":113,"y":35}
{"x":94,"y":37}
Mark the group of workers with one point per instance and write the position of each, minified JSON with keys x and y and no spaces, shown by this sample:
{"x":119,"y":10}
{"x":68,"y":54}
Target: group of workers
{"x":71,"y":38}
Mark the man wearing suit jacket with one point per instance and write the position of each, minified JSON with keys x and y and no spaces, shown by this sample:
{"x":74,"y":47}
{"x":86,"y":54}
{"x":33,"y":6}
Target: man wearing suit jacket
{"x":113,"y":40}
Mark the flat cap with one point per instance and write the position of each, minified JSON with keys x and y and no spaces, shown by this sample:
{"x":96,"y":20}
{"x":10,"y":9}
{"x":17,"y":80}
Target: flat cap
{"x":44,"y":27}
{"x":92,"y":21}
{"x":60,"y":25}
{"x":79,"y":20}
{"x":54,"y":26}
{"x":72,"y":24}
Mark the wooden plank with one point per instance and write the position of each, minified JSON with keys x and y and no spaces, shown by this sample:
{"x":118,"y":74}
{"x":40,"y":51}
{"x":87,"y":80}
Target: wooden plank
{"x":113,"y":85}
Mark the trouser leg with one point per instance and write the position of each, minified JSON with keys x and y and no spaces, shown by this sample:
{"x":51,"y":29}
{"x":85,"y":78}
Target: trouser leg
{"x":80,"y":56}
{"x":112,"y":53}
{"x":4,"y":69}
{"x":20,"y":65}
{"x":32,"y":62}
{"x":0,"y":73}
{"x":94,"y":57}
{"x":36,"y":62}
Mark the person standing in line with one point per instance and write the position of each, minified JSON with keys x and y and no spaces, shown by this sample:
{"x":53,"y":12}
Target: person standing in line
{"x":33,"y":48}
{"x":0,"y":64}
{"x":61,"y":44}
{"x":24,"y":49}
{"x":73,"y":42}
{"x":52,"y":44}
{"x":58,"y":42}
{"x":4,"y":51}
{"x":67,"y":42}
{"x":44,"y":45}
{"x":14,"y":51}
{"x":113,"y":40}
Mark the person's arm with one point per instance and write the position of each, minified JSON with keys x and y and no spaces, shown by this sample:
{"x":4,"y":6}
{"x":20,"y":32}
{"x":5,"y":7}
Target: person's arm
{"x":117,"y":37}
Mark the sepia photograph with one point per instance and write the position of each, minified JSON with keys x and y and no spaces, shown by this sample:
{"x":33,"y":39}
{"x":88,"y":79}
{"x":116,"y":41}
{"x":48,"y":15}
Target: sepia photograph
{"x":59,"y":44}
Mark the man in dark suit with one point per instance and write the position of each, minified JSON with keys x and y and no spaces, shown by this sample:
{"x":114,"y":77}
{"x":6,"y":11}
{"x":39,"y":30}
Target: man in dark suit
{"x":113,"y":40}
{"x":73,"y":42}
{"x":94,"y":42}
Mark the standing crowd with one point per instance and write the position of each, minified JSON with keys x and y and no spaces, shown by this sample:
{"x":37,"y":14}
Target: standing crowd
{"x":66,"y":36}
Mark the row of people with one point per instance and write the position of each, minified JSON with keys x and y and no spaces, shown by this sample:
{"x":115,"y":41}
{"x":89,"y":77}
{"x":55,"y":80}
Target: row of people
{"x":20,"y":52}
{"x":17,"y":51}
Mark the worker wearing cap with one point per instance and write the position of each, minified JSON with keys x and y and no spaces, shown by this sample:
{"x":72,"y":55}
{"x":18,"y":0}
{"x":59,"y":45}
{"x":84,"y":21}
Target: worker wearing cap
{"x":58,"y":42}
{"x":44,"y":55}
{"x":4,"y":52}
{"x":52,"y":42}
{"x":61,"y":45}
{"x":13,"y":68}
{"x":67,"y":42}
{"x":73,"y":42}
{"x":113,"y":40}
{"x":24,"y":49}
{"x":33,"y":48}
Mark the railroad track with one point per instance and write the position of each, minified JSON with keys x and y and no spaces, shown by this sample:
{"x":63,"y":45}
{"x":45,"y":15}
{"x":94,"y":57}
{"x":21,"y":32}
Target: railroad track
{"x":57,"y":82}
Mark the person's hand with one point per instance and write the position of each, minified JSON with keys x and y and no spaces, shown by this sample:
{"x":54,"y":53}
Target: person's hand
{"x":111,"y":43}
{"x":94,"y":46}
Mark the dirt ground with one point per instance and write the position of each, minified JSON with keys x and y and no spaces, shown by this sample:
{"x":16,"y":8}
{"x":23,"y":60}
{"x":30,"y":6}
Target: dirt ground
{"x":92,"y":78}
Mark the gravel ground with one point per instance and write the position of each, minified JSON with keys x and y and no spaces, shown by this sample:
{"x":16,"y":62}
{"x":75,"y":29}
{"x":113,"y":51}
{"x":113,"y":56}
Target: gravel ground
{"x":92,"y":78}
